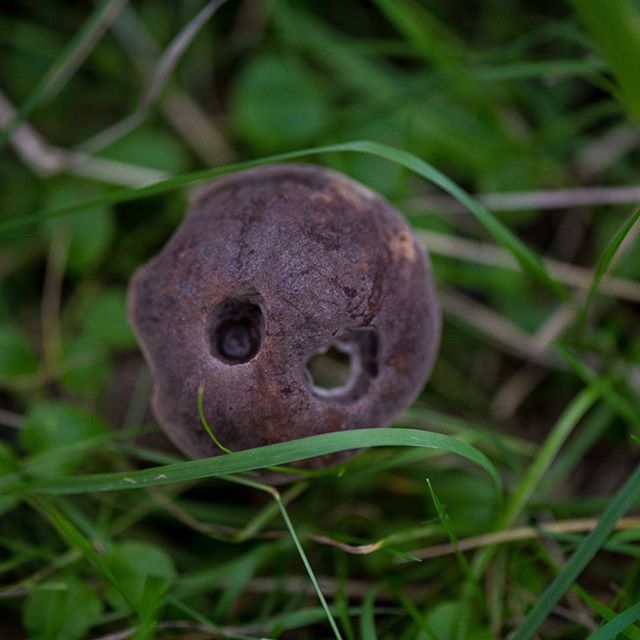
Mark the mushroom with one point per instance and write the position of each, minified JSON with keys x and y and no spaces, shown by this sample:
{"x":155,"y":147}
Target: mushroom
{"x":298,"y":299}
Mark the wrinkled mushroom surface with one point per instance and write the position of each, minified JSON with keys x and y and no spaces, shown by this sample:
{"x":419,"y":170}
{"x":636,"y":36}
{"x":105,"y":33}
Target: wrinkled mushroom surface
{"x":271,"y":268}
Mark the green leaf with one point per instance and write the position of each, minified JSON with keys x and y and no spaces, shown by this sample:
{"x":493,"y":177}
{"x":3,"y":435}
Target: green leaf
{"x":16,"y":354}
{"x":105,"y":320}
{"x":268,"y":456}
{"x":443,"y":620}
{"x":276,"y":105}
{"x":86,"y":366}
{"x":89,"y":230}
{"x":61,"y":610}
{"x":149,"y":147}
{"x":53,"y":428}
{"x":143,"y":571}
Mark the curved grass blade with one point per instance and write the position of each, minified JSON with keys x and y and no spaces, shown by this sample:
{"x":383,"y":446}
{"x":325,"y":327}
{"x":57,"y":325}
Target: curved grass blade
{"x":259,"y":458}
{"x":530,"y":263}
{"x":627,"y":497}
{"x":617,"y":625}
{"x":606,"y":258}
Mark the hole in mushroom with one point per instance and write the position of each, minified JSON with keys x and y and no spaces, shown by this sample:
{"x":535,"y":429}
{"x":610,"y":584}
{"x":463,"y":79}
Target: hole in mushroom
{"x":331,"y":370}
{"x":236,"y":329}
{"x":343,"y":369}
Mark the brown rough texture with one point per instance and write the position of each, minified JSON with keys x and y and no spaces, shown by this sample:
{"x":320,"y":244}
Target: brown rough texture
{"x":271,"y":266}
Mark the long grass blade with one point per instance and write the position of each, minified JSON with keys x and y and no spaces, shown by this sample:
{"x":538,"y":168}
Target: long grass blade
{"x":531,"y":264}
{"x":259,"y":458}
{"x":275,"y":494}
{"x":626,"y":498}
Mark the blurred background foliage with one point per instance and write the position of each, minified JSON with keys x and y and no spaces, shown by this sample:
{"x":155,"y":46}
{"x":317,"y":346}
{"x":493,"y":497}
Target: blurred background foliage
{"x":532,"y":105}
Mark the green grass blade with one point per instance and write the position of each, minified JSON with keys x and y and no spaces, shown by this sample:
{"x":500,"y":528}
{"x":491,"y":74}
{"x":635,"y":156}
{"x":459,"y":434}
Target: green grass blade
{"x":615,"y":26}
{"x":261,"y":457}
{"x":548,"y":453}
{"x":275,"y":494}
{"x":428,"y":35}
{"x":307,"y":565}
{"x":626,"y":498}
{"x":617,"y":625}
{"x":594,"y":427}
{"x":367,"y":618}
{"x":530,"y":263}
{"x":608,"y":614}
{"x":449,"y":530}
{"x":618,"y":402}
{"x":606,"y":258}
{"x":58,"y":74}
{"x":529,"y":483}
{"x":205,"y":423}
{"x":76,"y":539}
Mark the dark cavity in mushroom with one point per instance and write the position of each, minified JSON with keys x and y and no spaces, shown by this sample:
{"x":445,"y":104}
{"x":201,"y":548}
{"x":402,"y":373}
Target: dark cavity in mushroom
{"x":343,"y":369}
{"x":236,"y":329}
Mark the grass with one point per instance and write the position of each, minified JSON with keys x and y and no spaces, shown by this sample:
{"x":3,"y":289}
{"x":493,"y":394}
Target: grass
{"x":504,"y":502}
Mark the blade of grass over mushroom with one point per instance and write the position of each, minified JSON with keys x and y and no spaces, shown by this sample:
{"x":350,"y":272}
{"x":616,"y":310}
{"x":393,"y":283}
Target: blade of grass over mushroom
{"x":68,"y":61}
{"x":205,"y":423}
{"x":261,"y":457}
{"x":605,"y":260}
{"x":530,"y":263}
{"x":625,"y":499}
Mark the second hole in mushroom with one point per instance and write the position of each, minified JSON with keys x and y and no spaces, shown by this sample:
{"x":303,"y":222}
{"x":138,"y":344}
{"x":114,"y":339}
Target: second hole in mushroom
{"x":343,"y":369}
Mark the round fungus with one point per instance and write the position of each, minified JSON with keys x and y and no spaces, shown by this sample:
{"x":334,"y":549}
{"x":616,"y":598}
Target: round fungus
{"x":297,"y":298}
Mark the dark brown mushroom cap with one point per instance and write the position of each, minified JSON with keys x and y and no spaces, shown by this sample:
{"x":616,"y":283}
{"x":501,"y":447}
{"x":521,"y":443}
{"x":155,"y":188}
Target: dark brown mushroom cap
{"x":271,"y":266}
